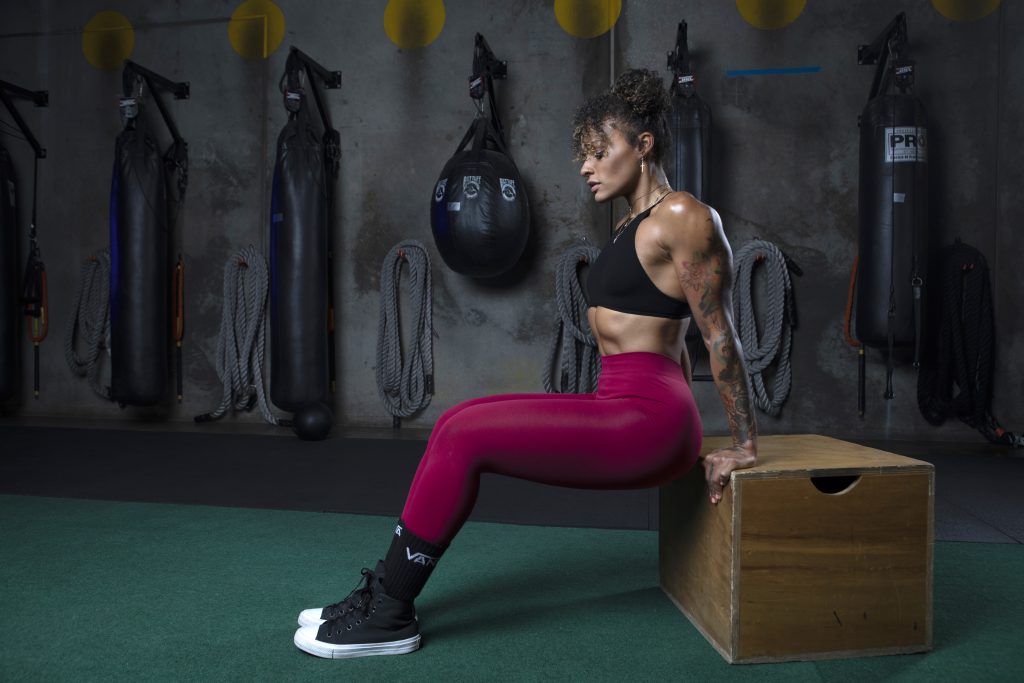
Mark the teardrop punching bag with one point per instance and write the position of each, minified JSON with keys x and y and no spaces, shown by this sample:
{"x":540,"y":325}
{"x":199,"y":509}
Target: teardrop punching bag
{"x":689,"y":166}
{"x":140,"y":232}
{"x":304,"y":172}
{"x":479,"y":212}
{"x":893,"y":202}
{"x":9,"y":307}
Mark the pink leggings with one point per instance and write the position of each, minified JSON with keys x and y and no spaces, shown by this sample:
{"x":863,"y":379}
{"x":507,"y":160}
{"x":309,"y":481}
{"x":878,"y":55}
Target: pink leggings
{"x":641,"y":428}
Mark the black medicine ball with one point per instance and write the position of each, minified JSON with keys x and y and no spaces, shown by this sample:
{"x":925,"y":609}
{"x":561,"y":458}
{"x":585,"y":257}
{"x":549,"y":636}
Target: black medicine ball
{"x":312,"y":421}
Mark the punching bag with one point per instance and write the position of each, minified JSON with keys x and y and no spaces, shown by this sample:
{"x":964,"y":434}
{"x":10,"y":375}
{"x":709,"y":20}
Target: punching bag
{"x":892,"y":203}
{"x":689,"y":164}
{"x":299,"y":283}
{"x":9,"y":285}
{"x":893,"y":200}
{"x":139,"y":238}
{"x":140,"y":234}
{"x":31,"y":296}
{"x":893,"y":218}
{"x":479,"y":213}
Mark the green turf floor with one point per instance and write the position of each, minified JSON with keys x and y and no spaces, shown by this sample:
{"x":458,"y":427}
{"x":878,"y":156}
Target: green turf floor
{"x":96,"y":590}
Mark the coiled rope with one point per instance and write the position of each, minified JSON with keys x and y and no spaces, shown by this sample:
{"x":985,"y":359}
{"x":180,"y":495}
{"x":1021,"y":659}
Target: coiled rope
{"x":580,"y":364}
{"x":956,"y":375}
{"x":240,"y":346}
{"x":89,"y":327}
{"x":759,"y":354}
{"x":405,"y":385}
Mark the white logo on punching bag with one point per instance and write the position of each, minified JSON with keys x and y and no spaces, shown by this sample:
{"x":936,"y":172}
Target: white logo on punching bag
{"x":471,"y":186}
{"x":442,"y":184}
{"x":906,"y":143}
{"x":508,"y":189}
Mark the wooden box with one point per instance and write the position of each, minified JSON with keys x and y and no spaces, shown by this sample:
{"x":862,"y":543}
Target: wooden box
{"x":822,"y":550}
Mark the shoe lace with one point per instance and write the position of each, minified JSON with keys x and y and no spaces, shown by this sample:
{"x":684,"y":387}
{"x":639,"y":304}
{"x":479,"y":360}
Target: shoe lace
{"x":360,"y":611}
{"x":360,"y":595}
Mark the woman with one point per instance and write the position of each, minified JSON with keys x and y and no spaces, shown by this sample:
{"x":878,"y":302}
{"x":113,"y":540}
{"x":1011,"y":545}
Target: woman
{"x":667,"y":261}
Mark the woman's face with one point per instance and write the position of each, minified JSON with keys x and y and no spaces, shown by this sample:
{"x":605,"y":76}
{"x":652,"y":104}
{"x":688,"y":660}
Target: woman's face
{"x":612,"y":166}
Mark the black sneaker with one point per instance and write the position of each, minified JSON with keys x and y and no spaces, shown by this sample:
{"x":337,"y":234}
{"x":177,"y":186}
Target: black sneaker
{"x":318,"y":615}
{"x":376,"y":624}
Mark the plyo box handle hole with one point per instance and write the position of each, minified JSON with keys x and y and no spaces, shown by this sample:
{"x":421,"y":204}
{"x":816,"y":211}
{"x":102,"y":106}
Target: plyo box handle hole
{"x":835,"y":485}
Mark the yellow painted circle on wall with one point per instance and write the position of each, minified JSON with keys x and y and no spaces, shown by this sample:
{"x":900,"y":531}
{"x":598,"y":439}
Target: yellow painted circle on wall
{"x":413,"y":23}
{"x":965,"y":10}
{"x":256,"y":29}
{"x":587,"y":18}
{"x":107,"y":40}
{"x":770,"y":14}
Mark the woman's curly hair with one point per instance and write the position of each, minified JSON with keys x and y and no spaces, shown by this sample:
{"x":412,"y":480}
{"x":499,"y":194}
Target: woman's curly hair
{"x":638,"y":102}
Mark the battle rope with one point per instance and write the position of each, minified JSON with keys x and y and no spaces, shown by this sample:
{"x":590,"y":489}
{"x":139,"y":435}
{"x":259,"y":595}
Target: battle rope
{"x":580,"y":362}
{"x":779,"y":314}
{"x":239,"y":355}
{"x":90,"y":323}
{"x":965,"y":351}
{"x":405,"y":385}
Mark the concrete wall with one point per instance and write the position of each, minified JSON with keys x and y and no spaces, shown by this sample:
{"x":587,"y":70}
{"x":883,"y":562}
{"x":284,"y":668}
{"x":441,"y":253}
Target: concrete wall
{"x":785,"y":169}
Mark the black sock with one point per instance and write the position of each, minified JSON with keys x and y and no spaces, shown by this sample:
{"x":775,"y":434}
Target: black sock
{"x":408,"y":564}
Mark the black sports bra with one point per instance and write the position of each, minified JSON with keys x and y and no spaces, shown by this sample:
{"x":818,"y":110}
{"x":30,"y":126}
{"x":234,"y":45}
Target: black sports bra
{"x":618,"y":281}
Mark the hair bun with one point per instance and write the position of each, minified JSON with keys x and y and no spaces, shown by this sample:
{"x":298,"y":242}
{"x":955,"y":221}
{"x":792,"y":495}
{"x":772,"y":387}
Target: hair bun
{"x":643,"y":91}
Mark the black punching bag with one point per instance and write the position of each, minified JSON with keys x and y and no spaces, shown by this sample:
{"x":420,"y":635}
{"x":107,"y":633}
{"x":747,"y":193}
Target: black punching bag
{"x":893,"y":204}
{"x":298,"y":265}
{"x":893,"y":200}
{"x":9,"y":305}
{"x":479,"y":212}
{"x":893,"y":218}
{"x":139,"y":237}
{"x":689,"y":163}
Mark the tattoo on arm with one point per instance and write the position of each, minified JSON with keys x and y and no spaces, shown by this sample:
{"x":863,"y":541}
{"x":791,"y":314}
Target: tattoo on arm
{"x":707,"y":279}
{"x":699,"y":276}
{"x":735,"y":390}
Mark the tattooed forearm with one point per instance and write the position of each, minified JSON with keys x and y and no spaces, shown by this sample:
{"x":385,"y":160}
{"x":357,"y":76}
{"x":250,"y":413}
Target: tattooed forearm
{"x":731,"y":380}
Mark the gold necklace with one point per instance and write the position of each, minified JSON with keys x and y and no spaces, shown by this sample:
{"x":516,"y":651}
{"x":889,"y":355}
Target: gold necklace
{"x":667,"y":190}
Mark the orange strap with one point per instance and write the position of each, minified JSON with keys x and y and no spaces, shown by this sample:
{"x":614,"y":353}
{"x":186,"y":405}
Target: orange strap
{"x":178,"y":285}
{"x":849,"y":304}
{"x":39,"y":325}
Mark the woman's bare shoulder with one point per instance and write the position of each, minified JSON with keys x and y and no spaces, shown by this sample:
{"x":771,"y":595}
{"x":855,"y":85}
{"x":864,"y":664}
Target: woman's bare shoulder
{"x":681,"y":217}
{"x":680,"y":200}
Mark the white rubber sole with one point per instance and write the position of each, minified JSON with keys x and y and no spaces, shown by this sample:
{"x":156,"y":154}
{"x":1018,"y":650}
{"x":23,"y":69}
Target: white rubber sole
{"x":305,"y":640}
{"x":311,"y":617}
